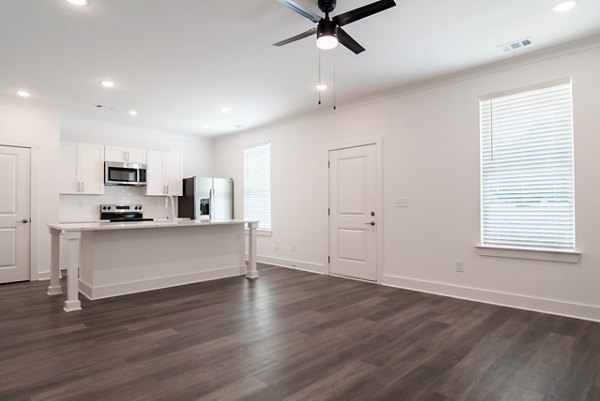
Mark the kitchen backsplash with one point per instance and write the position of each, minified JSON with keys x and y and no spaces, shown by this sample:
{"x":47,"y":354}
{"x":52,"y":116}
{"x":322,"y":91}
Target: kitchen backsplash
{"x":80,"y":208}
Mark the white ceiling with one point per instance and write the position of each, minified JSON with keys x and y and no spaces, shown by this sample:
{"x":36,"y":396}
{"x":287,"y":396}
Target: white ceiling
{"x":178,"y":62}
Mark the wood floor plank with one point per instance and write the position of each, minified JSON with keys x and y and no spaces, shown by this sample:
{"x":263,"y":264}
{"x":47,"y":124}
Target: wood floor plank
{"x":290,"y":335}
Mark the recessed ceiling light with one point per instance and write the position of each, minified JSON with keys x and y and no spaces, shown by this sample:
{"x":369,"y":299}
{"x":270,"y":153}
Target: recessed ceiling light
{"x":133,"y":113}
{"x":206,"y":125}
{"x":107,"y":84}
{"x":78,"y":2}
{"x":562,"y":6}
{"x":322,"y":87}
{"x":226,"y":110}
{"x":23,"y":93}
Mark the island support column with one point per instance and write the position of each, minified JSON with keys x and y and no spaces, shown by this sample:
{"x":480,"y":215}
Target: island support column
{"x":65,"y":255}
{"x":251,"y":271}
{"x":72,"y":247}
{"x":54,"y":287}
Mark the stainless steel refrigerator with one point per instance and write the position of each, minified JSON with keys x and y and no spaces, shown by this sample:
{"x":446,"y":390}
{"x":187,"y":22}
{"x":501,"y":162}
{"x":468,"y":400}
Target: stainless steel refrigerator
{"x":206,"y":198}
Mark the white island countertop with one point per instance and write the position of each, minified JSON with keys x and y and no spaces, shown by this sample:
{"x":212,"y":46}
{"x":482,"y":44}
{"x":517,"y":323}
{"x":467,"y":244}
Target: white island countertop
{"x":131,"y":225}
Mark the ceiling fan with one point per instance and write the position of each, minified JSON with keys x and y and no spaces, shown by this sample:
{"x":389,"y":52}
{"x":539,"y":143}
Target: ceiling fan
{"x":329,"y":30}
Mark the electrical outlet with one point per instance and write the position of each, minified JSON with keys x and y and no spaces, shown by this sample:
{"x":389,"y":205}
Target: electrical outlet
{"x":293,"y":247}
{"x":459,"y":266}
{"x":277,"y":245}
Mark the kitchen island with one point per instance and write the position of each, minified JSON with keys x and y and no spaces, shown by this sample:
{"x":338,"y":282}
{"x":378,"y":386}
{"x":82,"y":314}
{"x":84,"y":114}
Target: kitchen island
{"x":110,"y":259}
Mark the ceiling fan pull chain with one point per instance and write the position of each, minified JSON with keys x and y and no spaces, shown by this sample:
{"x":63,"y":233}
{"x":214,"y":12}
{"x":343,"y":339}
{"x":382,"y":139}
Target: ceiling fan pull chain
{"x":334,"y":100}
{"x":319,"y":51}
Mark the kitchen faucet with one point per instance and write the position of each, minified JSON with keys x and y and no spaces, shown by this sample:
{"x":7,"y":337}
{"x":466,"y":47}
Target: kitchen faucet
{"x":171,"y":215}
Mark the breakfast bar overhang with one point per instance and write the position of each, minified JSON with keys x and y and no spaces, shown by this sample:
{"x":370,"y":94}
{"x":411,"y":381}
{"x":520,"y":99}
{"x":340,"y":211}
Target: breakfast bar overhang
{"x":107,"y":259}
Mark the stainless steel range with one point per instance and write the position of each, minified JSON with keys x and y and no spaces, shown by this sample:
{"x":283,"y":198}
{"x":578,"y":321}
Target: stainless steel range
{"x":119,"y":213}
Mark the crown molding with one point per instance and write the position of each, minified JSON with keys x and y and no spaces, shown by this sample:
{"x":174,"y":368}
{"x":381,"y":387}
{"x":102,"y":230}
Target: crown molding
{"x":562,"y":50}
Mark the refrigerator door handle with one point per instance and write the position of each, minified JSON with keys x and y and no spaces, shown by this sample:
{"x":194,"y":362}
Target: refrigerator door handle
{"x":211,"y":203}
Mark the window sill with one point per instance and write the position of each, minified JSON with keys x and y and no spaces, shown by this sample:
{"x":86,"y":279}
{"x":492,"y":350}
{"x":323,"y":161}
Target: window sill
{"x":548,"y":255}
{"x":262,"y":233}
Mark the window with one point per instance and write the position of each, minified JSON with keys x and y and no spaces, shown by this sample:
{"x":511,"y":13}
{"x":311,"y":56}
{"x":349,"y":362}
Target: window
{"x":257,"y":185}
{"x":527,"y":189}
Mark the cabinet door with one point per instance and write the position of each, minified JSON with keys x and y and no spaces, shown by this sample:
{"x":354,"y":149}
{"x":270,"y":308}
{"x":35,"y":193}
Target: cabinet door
{"x":69,"y":183}
{"x":114,"y":154}
{"x":174,"y":173}
{"x":136,"y":156}
{"x":91,"y":168}
{"x":124,"y":155}
{"x":155,"y":173}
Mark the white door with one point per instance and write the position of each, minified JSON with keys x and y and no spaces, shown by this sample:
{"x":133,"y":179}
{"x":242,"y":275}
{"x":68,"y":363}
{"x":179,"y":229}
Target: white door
{"x":15,"y":187}
{"x":174,"y":173}
{"x":69,"y":180}
{"x":114,"y":154}
{"x":136,"y":156}
{"x":124,"y":155}
{"x":155,"y":174}
{"x":90,"y":160}
{"x":352,"y":219}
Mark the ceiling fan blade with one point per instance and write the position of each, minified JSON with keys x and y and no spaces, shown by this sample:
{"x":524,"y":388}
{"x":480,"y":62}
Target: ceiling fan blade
{"x":363,"y":12}
{"x":303,"y":35}
{"x":349,"y":42}
{"x":301,"y":10}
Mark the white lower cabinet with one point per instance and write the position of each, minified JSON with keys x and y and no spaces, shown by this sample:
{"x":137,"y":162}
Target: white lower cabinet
{"x":164,"y":173}
{"x":82,"y":169}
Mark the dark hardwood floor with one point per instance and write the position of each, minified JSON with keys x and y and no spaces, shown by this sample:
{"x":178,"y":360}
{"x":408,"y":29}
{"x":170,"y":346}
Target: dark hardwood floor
{"x":290,"y":335}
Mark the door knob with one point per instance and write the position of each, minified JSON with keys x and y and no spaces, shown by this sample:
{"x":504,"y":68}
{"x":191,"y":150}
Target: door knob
{"x":371,"y":223}
{"x":25,"y":221}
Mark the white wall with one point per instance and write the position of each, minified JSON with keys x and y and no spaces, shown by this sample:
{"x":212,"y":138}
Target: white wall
{"x":40,"y":131}
{"x":197,"y":160}
{"x":431,"y":156}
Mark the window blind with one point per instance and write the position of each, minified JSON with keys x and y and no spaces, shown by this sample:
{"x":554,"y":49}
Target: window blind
{"x":527,"y":184}
{"x":257,"y":185}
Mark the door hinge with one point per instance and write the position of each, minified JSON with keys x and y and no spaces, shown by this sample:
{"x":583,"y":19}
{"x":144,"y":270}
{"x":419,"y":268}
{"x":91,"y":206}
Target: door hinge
{"x":328,"y":259}
{"x":328,"y":212}
{"x":328,"y":164}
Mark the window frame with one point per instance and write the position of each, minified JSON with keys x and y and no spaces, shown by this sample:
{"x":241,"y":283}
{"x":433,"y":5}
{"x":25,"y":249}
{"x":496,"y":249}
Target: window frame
{"x":526,"y":252}
{"x":260,"y":231}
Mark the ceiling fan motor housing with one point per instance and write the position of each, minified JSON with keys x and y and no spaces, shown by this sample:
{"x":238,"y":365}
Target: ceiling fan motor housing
{"x":326,"y":27}
{"x":327,"y":6}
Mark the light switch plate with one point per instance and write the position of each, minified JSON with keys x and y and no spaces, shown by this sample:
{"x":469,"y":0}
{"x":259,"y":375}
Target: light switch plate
{"x":402,"y":202}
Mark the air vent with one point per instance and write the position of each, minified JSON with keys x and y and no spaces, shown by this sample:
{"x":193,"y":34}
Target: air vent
{"x":103,"y":107}
{"x":508,"y":47}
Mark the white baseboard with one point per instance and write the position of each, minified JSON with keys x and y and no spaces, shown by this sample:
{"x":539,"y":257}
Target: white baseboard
{"x":293,"y":264}
{"x":42,"y":276}
{"x":545,"y":305}
{"x":155,"y":283}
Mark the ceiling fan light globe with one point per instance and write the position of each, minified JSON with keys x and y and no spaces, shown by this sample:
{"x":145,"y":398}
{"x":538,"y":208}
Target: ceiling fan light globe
{"x":562,"y":6}
{"x":78,"y":3}
{"x":327,"y":42}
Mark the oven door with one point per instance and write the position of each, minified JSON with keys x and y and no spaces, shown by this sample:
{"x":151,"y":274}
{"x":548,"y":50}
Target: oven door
{"x":123,"y":174}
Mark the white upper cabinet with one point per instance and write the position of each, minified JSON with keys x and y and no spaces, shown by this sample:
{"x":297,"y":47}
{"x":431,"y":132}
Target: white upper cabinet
{"x":164,"y":173}
{"x":82,"y":169}
{"x":124,"y":155}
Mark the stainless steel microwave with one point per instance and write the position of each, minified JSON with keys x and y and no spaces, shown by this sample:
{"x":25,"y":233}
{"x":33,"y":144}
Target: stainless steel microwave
{"x":124,"y":174}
